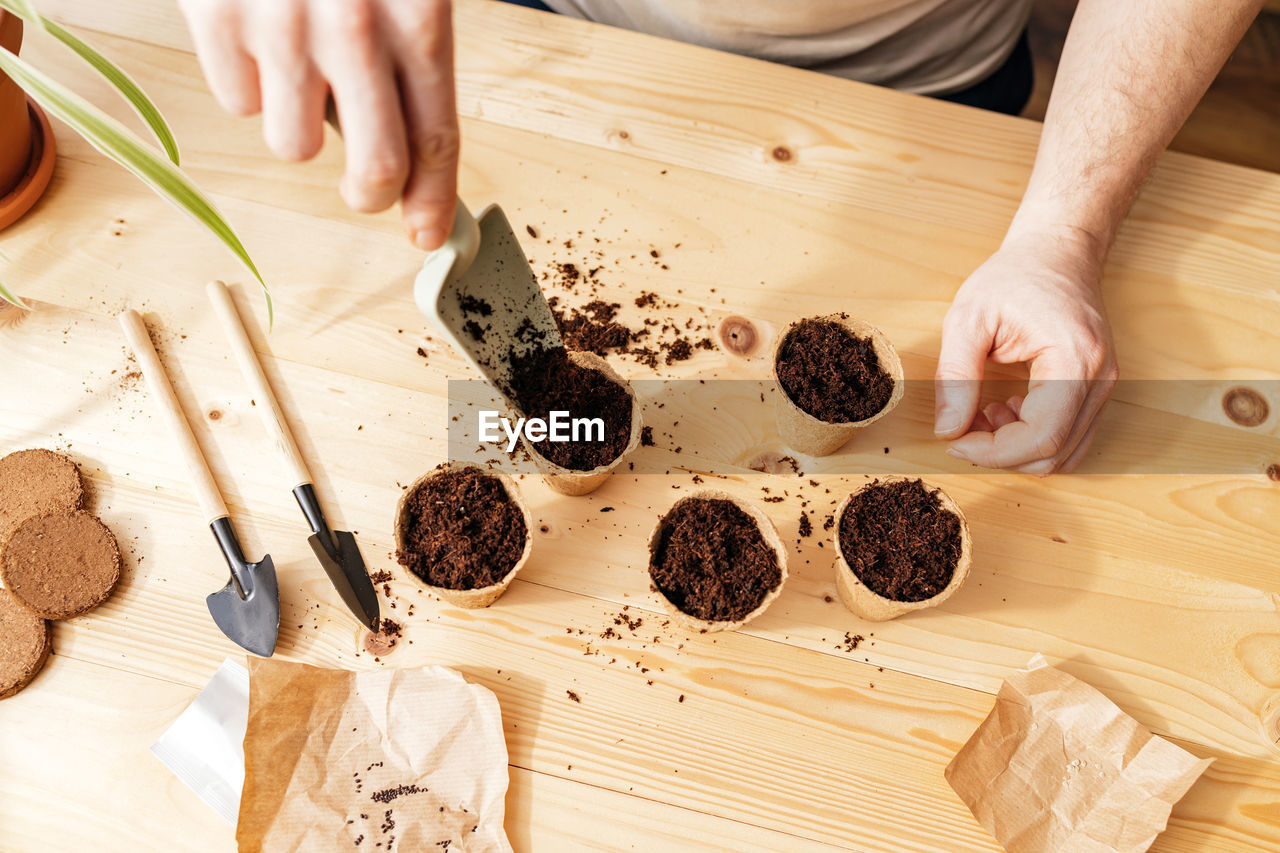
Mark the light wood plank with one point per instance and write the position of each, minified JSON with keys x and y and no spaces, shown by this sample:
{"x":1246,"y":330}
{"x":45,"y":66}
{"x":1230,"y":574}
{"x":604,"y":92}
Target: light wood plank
{"x":1163,"y":590}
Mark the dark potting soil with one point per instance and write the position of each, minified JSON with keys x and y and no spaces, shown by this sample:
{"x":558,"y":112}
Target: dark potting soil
{"x":546,"y":380}
{"x":712,"y":562}
{"x":900,"y":541}
{"x":831,"y":373}
{"x":464,"y":531}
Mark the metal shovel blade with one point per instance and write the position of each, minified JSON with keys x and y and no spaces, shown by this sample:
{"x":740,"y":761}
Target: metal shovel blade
{"x":247,"y":609}
{"x":481,"y":293}
{"x":340,"y":556}
{"x":345,"y":568}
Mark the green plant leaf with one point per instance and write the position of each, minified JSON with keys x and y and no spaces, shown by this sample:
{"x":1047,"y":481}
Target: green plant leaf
{"x":129,"y":90}
{"x":123,"y":146}
{"x":5,"y":293}
{"x":12,"y":298}
{"x":26,"y":10}
{"x":114,"y":74}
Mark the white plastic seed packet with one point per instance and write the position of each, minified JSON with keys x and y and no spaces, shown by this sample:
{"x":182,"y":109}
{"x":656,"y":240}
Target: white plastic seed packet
{"x":205,"y":746}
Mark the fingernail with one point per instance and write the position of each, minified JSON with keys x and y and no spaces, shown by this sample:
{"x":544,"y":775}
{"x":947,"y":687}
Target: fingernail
{"x":430,"y":239}
{"x":948,"y":420}
{"x":951,"y":451}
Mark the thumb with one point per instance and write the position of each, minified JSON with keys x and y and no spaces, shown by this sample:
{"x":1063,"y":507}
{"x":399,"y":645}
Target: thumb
{"x":957,"y":384}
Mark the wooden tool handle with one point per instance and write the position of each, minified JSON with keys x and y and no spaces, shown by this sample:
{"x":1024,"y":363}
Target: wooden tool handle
{"x":171,"y":412}
{"x":264,"y":397}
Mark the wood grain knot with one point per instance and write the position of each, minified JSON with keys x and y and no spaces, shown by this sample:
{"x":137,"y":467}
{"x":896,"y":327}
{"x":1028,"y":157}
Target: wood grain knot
{"x":214,"y":415}
{"x":1270,"y":719}
{"x":1273,"y":472}
{"x":738,"y":336}
{"x":624,"y":135}
{"x":781,"y":153}
{"x":382,"y":643}
{"x":11,"y":315}
{"x":771,"y":462}
{"x":1245,"y":406}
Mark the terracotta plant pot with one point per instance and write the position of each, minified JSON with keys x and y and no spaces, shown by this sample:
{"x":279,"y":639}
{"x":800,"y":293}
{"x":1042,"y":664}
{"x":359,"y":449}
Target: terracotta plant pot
{"x":481,"y":596}
{"x":27,"y":149}
{"x":771,"y":538}
{"x":567,"y":481}
{"x":876,"y":608}
{"x":813,"y":436}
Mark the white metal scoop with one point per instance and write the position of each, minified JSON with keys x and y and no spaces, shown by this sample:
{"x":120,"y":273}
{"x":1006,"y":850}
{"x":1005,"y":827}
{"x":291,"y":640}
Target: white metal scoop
{"x":480,"y":292}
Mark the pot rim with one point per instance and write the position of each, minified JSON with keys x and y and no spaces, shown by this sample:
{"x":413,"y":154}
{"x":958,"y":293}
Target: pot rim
{"x":513,"y":494}
{"x":767,"y":531}
{"x":885,"y":351}
{"x":963,"y":561}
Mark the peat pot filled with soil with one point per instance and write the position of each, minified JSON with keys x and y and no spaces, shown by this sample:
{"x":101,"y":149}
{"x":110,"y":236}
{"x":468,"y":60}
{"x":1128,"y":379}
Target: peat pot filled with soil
{"x":583,"y":385}
{"x":717,"y":562}
{"x":463,"y":533}
{"x":901,"y":545}
{"x":836,"y":375}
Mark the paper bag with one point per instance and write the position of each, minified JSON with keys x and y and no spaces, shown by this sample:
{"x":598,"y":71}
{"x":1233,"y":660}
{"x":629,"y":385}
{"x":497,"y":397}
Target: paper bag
{"x":1057,"y":768}
{"x":391,"y":760}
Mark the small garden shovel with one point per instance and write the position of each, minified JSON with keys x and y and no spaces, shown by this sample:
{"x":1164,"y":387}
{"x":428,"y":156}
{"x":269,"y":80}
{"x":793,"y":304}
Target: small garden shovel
{"x":336,"y":550}
{"x":247,"y":609}
{"x":480,"y":292}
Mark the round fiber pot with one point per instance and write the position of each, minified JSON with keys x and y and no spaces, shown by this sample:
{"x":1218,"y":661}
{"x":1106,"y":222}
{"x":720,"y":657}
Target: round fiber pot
{"x":869,"y":605}
{"x":481,"y":596}
{"x":813,"y":436}
{"x":771,"y":539}
{"x":27,"y":150}
{"x":568,"y":481}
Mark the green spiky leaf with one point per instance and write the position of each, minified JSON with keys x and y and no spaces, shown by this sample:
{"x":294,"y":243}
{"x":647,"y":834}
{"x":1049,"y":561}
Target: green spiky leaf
{"x":116,"y":76}
{"x":26,"y":10}
{"x":123,"y":146}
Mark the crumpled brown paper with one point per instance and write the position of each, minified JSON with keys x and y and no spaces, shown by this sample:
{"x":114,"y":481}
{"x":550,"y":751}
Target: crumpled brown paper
{"x":391,"y":760}
{"x":1058,"y":767}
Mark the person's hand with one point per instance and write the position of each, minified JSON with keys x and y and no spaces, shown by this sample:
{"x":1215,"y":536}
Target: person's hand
{"x":1036,"y":300}
{"x":389,"y":66}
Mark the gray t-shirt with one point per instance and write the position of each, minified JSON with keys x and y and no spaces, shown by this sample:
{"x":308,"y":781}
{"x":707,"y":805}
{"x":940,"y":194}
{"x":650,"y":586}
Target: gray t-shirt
{"x":930,"y":47}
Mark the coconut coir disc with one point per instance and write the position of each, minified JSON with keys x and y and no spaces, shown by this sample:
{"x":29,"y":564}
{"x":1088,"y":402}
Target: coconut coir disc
{"x":24,"y":644}
{"x":35,"y":482}
{"x":61,"y":564}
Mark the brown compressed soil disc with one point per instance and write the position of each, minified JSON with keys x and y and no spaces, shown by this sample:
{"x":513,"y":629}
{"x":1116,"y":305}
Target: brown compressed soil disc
{"x":900,"y":541}
{"x":461,"y":530}
{"x":831,"y":373}
{"x":547,"y":380}
{"x":711,"y":560}
{"x":24,"y":644}
{"x":61,"y":564}
{"x":35,"y":482}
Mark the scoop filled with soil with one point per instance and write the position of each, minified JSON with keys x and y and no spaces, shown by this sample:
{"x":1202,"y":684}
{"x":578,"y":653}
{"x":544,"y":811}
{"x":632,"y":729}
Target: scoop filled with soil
{"x":586,"y":387}
{"x":463,"y":532}
{"x":716,"y":561}
{"x":837,"y":375}
{"x":901,"y":545}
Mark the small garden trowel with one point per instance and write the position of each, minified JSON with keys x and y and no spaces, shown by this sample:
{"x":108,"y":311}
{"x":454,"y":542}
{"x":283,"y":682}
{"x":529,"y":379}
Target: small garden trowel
{"x":336,"y":550}
{"x":480,"y":292}
{"x":247,"y":609}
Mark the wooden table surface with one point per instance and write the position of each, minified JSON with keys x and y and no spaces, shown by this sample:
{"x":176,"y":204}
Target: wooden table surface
{"x":788,"y":194}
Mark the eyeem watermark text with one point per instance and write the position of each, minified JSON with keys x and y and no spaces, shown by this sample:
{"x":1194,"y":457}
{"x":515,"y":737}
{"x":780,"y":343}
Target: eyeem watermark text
{"x":558,"y":427}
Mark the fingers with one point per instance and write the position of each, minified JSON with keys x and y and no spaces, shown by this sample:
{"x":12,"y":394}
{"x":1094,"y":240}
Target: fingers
{"x":230,"y":69}
{"x":1081,"y":450}
{"x":1047,"y":417}
{"x":431,"y":118}
{"x":293,"y":92}
{"x":362,"y":76}
{"x":958,"y":381}
{"x":1048,"y":431}
{"x":999,"y":415}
